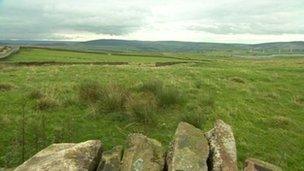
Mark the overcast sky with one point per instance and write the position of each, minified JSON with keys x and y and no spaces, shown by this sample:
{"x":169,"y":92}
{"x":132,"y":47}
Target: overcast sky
{"x":243,"y":21}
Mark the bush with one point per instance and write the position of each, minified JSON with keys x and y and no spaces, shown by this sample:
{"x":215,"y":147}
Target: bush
{"x":46,"y":103}
{"x":196,"y":119}
{"x":90,"y":91}
{"x":168,"y":96}
{"x":5,"y":87}
{"x":114,"y":98}
{"x":36,"y":94}
{"x":143,"y":108}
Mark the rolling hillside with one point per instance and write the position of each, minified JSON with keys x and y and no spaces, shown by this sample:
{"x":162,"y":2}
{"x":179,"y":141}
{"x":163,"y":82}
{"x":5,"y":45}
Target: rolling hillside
{"x":49,"y":96}
{"x":164,"y":46}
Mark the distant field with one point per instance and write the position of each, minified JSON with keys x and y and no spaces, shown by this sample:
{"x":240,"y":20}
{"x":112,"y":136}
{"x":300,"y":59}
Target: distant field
{"x":263,"y":101}
{"x":32,"y":54}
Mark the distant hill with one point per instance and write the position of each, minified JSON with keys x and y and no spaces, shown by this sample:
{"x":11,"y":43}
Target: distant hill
{"x":162,"y":46}
{"x":280,"y":45}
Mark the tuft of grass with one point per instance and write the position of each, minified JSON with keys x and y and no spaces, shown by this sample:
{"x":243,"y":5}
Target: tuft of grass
{"x":58,"y":134}
{"x":298,"y":100}
{"x":169,"y":96}
{"x":113,"y":99}
{"x":143,"y":108}
{"x":2,"y":66}
{"x":6,"y":87}
{"x":206,"y":102}
{"x":46,"y":103}
{"x":200,"y":112}
{"x":90,"y":91}
{"x":280,"y":122}
{"x":108,"y":98}
{"x":238,"y":80}
{"x":92,"y":112}
{"x":196,"y":119}
{"x":273,"y":95}
{"x":165,"y":95}
{"x":68,"y":101}
{"x":198,"y":84}
{"x":152,"y":86}
{"x":36,"y":94}
{"x":5,"y":119}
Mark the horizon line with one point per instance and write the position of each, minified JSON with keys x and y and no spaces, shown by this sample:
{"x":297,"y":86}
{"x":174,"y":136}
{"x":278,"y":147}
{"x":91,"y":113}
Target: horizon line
{"x":77,"y":41}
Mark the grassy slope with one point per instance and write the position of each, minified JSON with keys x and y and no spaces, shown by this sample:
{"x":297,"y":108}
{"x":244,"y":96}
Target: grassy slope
{"x":29,"y":55}
{"x":263,"y":108}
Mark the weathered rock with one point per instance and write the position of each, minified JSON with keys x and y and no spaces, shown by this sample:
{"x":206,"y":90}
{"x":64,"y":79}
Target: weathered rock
{"x":222,"y":148}
{"x":189,"y":149}
{"x":252,"y":164}
{"x":66,"y":156}
{"x":142,"y":154}
{"x":111,"y":159}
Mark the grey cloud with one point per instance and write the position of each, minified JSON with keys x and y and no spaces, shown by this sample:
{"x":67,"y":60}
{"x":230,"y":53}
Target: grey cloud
{"x":250,"y":28}
{"x":43,"y":21}
{"x":253,"y":17}
{"x":36,"y":19}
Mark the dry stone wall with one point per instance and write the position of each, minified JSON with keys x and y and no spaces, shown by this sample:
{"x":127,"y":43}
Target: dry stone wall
{"x":6,"y":51}
{"x":190,"y":150}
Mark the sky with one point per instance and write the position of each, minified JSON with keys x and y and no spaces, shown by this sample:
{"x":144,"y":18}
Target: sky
{"x":225,"y":21}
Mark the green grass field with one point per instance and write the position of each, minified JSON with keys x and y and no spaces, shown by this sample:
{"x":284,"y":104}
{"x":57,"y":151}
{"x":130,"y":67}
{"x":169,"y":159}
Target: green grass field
{"x":30,"y":55}
{"x":263,"y":101}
